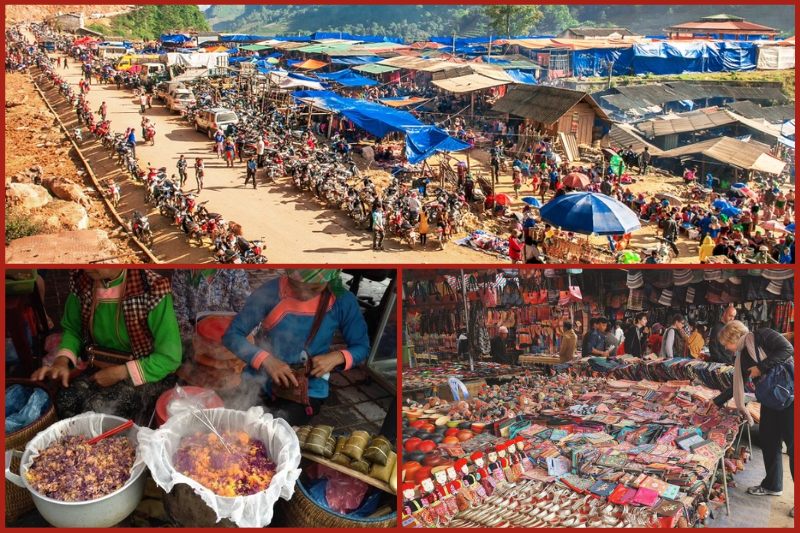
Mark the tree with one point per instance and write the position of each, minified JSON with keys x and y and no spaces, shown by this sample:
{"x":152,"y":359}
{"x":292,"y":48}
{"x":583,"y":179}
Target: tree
{"x":556,"y":18}
{"x":507,"y":21}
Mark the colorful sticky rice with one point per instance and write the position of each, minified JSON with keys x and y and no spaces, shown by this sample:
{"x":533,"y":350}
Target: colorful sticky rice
{"x":70,"y":470}
{"x":205,"y":459}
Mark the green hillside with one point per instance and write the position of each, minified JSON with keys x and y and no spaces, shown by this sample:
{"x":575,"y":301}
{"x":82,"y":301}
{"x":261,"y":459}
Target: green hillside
{"x":148,"y":22}
{"x":415,"y":22}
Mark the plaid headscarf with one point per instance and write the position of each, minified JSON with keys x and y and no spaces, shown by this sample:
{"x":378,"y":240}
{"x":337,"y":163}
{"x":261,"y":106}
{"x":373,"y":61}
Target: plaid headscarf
{"x":319,"y":275}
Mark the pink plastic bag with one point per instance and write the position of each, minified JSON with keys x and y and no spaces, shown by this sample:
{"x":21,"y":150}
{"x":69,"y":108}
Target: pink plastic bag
{"x":343,"y":493}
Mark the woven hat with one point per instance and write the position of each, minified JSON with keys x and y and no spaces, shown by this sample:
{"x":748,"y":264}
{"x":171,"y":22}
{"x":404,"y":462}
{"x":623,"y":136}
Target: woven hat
{"x":635,"y":279}
{"x":636,"y":300}
{"x":735,"y":280}
{"x":775,"y":287}
{"x":697,"y":275}
{"x":713,"y":275}
{"x":682,"y":277}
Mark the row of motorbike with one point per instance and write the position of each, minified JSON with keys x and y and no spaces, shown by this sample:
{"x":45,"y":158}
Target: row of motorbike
{"x":161,"y":192}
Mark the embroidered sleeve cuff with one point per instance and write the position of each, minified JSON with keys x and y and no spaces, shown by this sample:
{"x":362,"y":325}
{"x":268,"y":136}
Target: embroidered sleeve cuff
{"x":259,"y":359}
{"x":135,"y":372}
{"x":348,"y":359}
{"x":64,"y":352}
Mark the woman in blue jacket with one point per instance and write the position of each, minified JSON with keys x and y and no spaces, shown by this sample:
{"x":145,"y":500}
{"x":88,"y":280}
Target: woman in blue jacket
{"x":297,"y":316}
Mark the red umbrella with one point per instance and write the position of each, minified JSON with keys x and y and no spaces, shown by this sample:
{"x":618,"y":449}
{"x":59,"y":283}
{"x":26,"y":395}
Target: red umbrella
{"x":502,"y":199}
{"x":576,"y":180}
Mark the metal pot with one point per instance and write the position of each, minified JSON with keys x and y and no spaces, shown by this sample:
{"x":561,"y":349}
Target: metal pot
{"x":102,"y":512}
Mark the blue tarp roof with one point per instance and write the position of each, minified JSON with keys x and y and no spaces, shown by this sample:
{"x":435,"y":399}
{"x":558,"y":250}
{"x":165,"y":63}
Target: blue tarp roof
{"x":422,"y":140}
{"x":348,"y":78}
{"x":242,"y":38}
{"x":521,"y":76}
{"x":176,"y":38}
{"x":667,"y":58}
{"x":355,"y":60}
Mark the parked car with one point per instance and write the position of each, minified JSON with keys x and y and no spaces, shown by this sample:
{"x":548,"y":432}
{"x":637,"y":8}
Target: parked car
{"x":210,"y":120}
{"x":179,"y":99}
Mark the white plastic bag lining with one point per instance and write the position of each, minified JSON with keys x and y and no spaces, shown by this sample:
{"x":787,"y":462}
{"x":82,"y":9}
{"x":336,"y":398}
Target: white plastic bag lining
{"x":158,"y":447}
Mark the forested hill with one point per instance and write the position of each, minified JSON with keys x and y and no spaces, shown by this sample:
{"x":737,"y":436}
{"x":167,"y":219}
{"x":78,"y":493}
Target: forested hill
{"x":416,"y":22}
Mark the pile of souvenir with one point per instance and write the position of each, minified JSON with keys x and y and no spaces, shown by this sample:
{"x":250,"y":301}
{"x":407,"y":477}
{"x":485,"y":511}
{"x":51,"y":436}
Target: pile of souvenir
{"x":714,"y":375}
{"x":569,"y":450}
{"x":431,"y":377}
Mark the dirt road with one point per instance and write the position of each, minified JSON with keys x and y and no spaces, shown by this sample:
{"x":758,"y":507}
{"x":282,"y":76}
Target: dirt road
{"x":295,"y":227}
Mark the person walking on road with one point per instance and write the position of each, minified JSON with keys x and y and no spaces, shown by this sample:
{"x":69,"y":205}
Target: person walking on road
{"x":65,"y":62}
{"x":240,"y":145}
{"x":219,"y":140}
{"x":182,"y":169}
{"x":378,"y":225}
{"x":143,"y":102}
{"x":251,"y":172}
{"x":229,"y":152}
{"x":103,"y":111}
{"x":199,"y":173}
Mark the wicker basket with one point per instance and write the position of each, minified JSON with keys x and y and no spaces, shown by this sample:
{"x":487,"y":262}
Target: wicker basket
{"x":18,"y":500}
{"x":302,"y":511}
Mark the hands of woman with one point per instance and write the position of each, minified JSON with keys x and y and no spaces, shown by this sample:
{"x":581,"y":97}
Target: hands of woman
{"x":323,"y":364}
{"x":279,"y":372}
{"x":110,"y":376}
{"x":754,"y":372}
{"x":59,"y":372}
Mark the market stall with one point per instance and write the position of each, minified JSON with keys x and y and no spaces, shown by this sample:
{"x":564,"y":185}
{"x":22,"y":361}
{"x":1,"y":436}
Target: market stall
{"x":210,"y":447}
{"x":583,"y":441}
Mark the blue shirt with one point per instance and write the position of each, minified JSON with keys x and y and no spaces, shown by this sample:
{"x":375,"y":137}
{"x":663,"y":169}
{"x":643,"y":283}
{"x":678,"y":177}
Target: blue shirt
{"x":596,"y":341}
{"x":132,"y":138}
{"x":251,"y":165}
{"x":285,"y":325}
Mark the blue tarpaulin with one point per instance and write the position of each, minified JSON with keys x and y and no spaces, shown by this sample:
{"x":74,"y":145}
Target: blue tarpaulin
{"x":426,"y":141}
{"x":293,"y":62}
{"x":348,"y":78}
{"x":177,"y":38}
{"x":666,"y":58}
{"x":242,"y":38}
{"x":521,"y":76}
{"x":422,"y":140}
{"x":355,"y":60}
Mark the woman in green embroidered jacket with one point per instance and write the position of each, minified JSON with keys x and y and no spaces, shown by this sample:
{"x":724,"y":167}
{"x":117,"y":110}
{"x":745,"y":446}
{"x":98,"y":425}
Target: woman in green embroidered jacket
{"x":125,"y":312}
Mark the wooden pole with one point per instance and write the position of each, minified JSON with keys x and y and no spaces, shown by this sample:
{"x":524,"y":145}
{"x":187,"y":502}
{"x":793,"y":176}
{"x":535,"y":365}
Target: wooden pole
{"x":466,"y":319}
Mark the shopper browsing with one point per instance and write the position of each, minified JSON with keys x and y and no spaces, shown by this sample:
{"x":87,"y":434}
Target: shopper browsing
{"x":756,"y":353}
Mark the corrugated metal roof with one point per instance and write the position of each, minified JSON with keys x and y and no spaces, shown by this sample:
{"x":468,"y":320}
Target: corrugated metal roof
{"x":727,"y":26}
{"x":468,"y":83}
{"x":732,"y":152}
{"x":772,"y":114}
{"x":543,"y":104}
{"x":623,"y":136}
{"x":642,"y":96}
{"x":685,"y":122}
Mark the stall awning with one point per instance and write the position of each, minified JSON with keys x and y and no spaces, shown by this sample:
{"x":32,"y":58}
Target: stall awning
{"x":310,"y":64}
{"x":468,"y":83}
{"x":348,"y":78}
{"x":422,"y":140}
{"x":403,"y":101}
{"x":254,"y":47}
{"x":375,"y":68}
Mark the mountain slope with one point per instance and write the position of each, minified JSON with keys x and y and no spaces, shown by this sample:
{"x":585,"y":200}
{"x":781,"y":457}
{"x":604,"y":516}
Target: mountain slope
{"x":421,"y":21}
